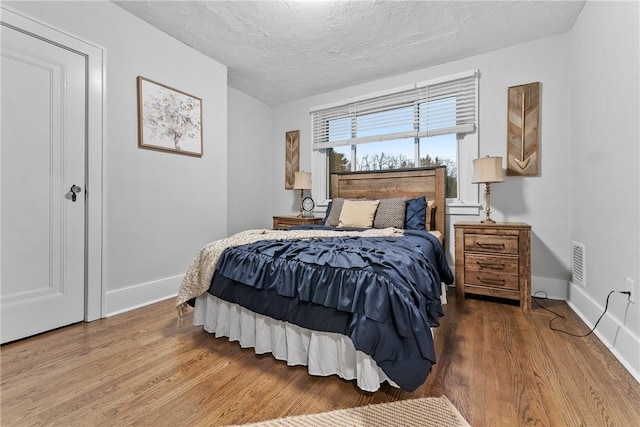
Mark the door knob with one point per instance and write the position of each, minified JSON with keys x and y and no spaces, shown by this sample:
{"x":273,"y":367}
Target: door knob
{"x":74,"y":190}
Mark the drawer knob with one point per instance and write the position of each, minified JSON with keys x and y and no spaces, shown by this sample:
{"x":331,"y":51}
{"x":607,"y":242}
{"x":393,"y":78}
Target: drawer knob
{"x":490,"y":266}
{"x":494,"y":282}
{"x":490,"y":245}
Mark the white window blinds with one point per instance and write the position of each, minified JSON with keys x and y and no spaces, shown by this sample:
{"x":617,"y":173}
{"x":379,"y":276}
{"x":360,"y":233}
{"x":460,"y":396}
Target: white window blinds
{"x":431,"y":108}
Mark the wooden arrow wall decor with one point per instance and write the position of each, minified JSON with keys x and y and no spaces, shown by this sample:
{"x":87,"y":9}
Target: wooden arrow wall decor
{"x":523,"y":130}
{"x":292,"y":157}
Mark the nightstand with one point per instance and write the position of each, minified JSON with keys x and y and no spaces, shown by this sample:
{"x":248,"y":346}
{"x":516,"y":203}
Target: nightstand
{"x":494,"y":260}
{"x":282,"y":222}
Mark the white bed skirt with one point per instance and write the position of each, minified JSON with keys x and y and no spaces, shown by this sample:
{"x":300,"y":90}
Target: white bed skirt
{"x":324,"y":353}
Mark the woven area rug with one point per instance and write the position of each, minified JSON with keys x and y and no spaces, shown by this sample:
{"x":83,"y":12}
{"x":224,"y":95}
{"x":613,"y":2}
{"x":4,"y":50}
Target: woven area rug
{"x":425,"y":412}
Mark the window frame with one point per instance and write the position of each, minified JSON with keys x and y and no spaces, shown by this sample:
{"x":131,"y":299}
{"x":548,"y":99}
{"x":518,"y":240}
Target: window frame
{"x":467,"y":200}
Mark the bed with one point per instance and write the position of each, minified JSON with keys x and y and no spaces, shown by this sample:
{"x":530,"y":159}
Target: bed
{"x":348,"y":301}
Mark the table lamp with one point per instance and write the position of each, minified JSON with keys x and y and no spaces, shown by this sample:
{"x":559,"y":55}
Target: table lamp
{"x":487,"y":170}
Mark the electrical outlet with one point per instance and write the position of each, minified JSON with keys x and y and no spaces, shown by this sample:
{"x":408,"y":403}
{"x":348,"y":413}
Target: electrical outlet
{"x":631,"y":288}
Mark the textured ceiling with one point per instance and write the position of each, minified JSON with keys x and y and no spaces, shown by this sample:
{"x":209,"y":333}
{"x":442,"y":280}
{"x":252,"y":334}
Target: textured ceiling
{"x":279,"y":51}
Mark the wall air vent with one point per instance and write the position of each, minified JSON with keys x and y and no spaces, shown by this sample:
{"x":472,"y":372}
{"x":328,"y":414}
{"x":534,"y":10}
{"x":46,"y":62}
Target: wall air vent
{"x":578,"y":264}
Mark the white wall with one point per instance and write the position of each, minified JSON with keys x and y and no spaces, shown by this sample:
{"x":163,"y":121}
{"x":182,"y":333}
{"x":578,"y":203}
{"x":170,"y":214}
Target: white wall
{"x":540,"y":201}
{"x":159,"y":208}
{"x":250,"y":172}
{"x":603,"y":161}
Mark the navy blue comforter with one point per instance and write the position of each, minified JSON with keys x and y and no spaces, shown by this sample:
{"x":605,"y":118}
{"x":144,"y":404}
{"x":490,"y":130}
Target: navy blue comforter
{"x":382,"y":292}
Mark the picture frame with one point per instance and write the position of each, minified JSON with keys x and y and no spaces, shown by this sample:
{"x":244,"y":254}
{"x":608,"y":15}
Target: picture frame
{"x":169,"y":119}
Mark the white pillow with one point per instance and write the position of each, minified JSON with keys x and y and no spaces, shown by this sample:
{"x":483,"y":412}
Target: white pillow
{"x":358,"y":213}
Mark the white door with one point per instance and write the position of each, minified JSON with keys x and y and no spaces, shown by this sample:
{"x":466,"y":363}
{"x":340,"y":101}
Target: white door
{"x":42,"y":229}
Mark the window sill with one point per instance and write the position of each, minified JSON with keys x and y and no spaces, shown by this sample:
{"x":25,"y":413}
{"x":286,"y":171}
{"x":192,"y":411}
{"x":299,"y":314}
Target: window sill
{"x":457,"y":208}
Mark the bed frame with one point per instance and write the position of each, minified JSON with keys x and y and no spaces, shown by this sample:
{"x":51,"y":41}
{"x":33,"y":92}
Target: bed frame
{"x":410,"y":183}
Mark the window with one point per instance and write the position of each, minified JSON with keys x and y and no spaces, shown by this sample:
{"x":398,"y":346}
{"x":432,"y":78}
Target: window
{"x":422,"y":125}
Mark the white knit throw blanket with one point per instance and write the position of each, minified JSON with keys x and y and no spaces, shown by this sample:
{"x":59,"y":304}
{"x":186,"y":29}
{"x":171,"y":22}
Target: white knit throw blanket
{"x":198,"y":277}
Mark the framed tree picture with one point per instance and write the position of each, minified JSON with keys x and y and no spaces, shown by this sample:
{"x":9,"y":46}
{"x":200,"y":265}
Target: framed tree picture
{"x":168,"y":119}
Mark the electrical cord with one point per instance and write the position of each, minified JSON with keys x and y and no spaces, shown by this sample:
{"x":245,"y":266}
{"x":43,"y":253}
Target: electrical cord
{"x":560,"y":316}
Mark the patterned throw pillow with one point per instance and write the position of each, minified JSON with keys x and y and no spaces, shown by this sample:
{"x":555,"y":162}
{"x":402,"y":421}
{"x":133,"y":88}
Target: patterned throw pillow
{"x":390,"y":213}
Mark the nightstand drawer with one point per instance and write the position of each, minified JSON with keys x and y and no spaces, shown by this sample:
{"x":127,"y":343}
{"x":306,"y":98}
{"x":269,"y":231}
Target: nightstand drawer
{"x":283,"y":222}
{"x":491,"y":263}
{"x":287,"y":223}
{"x":492,"y":280}
{"x":491,"y":243}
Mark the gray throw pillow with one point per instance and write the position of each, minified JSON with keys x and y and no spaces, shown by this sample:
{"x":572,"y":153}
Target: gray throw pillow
{"x":390,"y":213}
{"x":334,"y":215}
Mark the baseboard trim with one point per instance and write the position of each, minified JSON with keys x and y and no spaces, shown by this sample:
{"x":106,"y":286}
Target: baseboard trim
{"x":136,"y":296}
{"x":554,"y":288}
{"x":622,"y":342}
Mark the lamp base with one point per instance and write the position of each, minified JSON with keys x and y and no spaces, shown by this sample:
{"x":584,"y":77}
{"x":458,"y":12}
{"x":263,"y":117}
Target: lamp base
{"x":487,"y":219}
{"x":301,"y":197}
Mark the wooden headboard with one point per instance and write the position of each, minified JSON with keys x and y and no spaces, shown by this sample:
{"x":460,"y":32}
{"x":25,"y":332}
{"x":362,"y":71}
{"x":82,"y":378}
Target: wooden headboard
{"x":409,"y":183}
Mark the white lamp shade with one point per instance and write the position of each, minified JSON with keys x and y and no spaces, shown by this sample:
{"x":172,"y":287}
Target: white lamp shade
{"x":302,"y":181}
{"x":487,"y":170}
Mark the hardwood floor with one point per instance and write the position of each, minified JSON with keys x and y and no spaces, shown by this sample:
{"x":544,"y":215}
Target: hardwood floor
{"x":498,"y":365}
